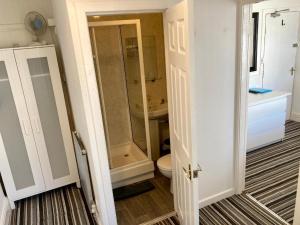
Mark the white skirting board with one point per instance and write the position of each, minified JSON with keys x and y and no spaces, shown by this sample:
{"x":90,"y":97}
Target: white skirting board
{"x":217,"y":197}
{"x":295,"y":116}
{"x":4,"y":212}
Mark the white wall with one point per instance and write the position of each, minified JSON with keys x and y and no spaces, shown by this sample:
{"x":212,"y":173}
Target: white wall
{"x":12,"y":30}
{"x":216,"y":32}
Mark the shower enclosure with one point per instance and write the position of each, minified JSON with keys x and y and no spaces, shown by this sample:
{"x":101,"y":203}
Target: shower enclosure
{"x":118,"y":59}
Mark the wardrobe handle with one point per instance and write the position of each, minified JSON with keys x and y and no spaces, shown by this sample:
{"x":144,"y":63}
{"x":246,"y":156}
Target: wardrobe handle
{"x":25,"y":128}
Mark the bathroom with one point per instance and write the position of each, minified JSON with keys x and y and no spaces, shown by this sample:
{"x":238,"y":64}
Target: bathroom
{"x":132,"y":86}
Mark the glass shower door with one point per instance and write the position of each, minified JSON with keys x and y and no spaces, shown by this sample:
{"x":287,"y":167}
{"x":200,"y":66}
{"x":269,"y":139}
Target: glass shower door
{"x":136,"y":86}
{"x":118,"y":59}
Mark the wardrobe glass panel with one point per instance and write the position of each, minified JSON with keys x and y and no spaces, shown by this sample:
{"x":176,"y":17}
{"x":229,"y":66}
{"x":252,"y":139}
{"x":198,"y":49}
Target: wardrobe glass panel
{"x":42,"y":85}
{"x":12,"y":135}
{"x":134,"y":85}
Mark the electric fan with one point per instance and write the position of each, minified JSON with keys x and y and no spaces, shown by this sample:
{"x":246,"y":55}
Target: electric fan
{"x":37,"y":25}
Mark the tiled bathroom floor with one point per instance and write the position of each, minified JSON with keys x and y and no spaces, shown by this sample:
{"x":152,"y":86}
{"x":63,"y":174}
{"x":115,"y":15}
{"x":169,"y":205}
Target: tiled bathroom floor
{"x":147,"y":206}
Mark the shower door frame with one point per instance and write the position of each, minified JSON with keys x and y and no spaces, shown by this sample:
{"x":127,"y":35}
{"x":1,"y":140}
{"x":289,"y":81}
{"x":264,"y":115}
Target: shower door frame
{"x":136,"y":22}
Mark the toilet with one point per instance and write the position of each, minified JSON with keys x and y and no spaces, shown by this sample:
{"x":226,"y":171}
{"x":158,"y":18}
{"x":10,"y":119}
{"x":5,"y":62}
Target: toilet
{"x":164,"y":165}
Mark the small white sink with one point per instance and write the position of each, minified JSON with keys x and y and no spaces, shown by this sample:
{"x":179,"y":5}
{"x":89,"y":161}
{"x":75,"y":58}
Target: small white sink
{"x":157,"y":111}
{"x":154,"y":111}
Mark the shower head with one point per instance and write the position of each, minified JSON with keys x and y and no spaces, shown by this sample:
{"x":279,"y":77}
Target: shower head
{"x":277,"y":13}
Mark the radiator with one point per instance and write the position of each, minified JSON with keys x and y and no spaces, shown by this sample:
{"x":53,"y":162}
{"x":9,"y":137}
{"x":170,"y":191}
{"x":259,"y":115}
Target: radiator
{"x":84,"y":172}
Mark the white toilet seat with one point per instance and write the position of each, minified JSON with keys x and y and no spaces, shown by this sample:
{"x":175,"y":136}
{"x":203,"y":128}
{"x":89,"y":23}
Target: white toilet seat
{"x":165,"y":165}
{"x":165,"y":162}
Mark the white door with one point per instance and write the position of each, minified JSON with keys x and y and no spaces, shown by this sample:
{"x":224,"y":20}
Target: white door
{"x":20,"y":166}
{"x":184,"y":158}
{"x":44,"y":96}
{"x":280,"y":53}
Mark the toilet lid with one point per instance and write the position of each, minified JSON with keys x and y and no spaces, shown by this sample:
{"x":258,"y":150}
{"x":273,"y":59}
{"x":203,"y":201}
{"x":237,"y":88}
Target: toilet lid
{"x":165,"y":162}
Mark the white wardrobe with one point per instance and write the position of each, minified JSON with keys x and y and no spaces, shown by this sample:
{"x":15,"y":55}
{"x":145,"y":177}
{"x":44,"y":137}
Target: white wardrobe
{"x":36,"y":149}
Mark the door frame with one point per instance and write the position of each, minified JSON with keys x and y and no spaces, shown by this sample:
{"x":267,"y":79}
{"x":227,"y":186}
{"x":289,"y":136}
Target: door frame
{"x":242,"y":85}
{"x":136,"y":22}
{"x":79,"y":11}
{"x":242,"y":82}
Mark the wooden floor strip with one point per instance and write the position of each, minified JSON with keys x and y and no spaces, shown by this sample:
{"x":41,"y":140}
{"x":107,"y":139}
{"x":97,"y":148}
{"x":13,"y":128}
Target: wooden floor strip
{"x":165,"y":219}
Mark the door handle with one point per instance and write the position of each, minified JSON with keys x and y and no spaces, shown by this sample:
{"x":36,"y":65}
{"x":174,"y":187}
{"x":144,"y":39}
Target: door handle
{"x":188,"y":172}
{"x":197,"y":171}
{"x":293,"y":70}
{"x":192,"y":174}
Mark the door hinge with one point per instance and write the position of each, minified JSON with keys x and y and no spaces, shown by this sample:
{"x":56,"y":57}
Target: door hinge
{"x":93,"y":208}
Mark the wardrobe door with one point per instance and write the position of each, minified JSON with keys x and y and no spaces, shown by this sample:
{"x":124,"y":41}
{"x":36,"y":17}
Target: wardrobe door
{"x":41,"y":82}
{"x":20,"y":166}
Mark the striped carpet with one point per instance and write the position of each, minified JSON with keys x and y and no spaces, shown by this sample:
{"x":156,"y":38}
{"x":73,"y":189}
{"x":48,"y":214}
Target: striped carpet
{"x":236,"y":210}
{"x":271,"y":178}
{"x":272,"y":173}
{"x":63,"y":206}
